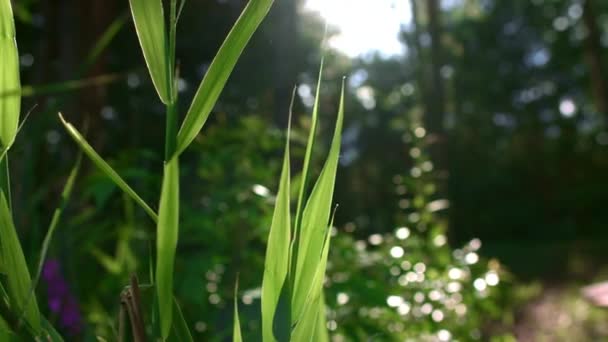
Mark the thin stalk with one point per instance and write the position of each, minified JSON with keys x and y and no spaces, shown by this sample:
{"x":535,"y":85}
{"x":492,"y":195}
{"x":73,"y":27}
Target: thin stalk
{"x":5,"y":180}
{"x":171,"y":108}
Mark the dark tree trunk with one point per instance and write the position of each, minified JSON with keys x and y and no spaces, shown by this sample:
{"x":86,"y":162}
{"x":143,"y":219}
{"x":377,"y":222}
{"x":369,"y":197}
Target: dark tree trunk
{"x":593,"y":57}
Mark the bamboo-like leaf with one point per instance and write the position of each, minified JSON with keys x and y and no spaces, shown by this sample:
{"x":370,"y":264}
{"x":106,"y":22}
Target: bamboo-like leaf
{"x":106,"y":168}
{"x":236,"y":327}
{"x":276,"y":263}
{"x":18,"y":276}
{"x":180,"y":331}
{"x":309,"y":146}
{"x":9,"y":76}
{"x":321,"y":334}
{"x":307,"y":321}
{"x":219,"y":71}
{"x":150,"y":26}
{"x":315,"y":219}
{"x":303,"y":178}
{"x":166,"y":243}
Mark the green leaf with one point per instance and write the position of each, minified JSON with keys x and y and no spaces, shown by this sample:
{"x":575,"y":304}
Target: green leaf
{"x":236,"y":328}
{"x":321,"y":334}
{"x":9,"y":77}
{"x":276,"y":263}
{"x":309,"y":146}
{"x":315,"y":219}
{"x":303,"y":177}
{"x":106,"y":168}
{"x":150,"y":26}
{"x":307,"y":321}
{"x":166,"y":243}
{"x":219,"y":71}
{"x":18,"y":276}
{"x":65,"y":196}
{"x":179,"y":331}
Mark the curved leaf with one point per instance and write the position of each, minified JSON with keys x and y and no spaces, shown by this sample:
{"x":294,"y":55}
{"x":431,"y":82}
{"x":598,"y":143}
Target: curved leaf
{"x":10,"y":106}
{"x":166,"y":243}
{"x":219,"y":71}
{"x":18,"y":276}
{"x":106,"y":168}
{"x":150,"y":26}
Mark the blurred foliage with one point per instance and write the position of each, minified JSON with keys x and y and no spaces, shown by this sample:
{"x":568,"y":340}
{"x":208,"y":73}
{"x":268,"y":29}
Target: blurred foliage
{"x":525,"y":144}
{"x":410,"y":285}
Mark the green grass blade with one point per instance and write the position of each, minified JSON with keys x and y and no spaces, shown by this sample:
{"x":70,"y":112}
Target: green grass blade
{"x":276,"y":264}
{"x":219,"y":71}
{"x":315,"y":219}
{"x":51,"y":335}
{"x":236,"y":328}
{"x":321,"y":334}
{"x":65,"y":195}
{"x":106,"y":168}
{"x":150,"y":26}
{"x":5,"y":178}
{"x":304,"y":174}
{"x":308,"y":319}
{"x":9,"y":76}
{"x":180,"y":331}
{"x":166,"y":243}
{"x":309,"y":146}
{"x":103,"y":42}
{"x":18,"y":276}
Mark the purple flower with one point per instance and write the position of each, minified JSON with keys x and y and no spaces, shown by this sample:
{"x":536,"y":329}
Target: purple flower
{"x":60,"y":300}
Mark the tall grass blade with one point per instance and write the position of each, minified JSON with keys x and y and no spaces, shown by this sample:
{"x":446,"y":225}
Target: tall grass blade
{"x":5,"y":179}
{"x":315,"y":219}
{"x":219,"y":71}
{"x":307,"y":321}
{"x":65,"y":196}
{"x":276,"y":264}
{"x":166,"y":243}
{"x":179,"y":331}
{"x":106,"y":168}
{"x":309,"y":146}
{"x":236,"y":327}
{"x":9,"y":76}
{"x":18,"y":276}
{"x":150,"y":26}
{"x":321,"y":334}
{"x":304,"y":175}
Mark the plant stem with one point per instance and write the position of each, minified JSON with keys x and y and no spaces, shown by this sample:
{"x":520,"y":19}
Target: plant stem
{"x":5,"y":180}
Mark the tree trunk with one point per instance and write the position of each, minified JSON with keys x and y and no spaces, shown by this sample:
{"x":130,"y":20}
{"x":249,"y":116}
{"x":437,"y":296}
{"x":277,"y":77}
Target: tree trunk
{"x":593,"y":57}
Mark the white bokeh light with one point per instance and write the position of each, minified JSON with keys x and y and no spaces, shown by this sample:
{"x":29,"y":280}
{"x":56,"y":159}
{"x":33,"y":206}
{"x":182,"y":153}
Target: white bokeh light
{"x":364,"y":25}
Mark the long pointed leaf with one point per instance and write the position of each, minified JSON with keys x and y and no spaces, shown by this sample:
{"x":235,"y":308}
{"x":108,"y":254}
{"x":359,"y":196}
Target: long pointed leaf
{"x":166,"y":243}
{"x":295,"y":246}
{"x":18,"y":276}
{"x":106,"y":168}
{"x":315,"y":219}
{"x":321,"y":334}
{"x":308,"y":320}
{"x":219,"y":71}
{"x":276,"y":263}
{"x":150,"y":26}
{"x":236,"y":327}
{"x":9,"y":76}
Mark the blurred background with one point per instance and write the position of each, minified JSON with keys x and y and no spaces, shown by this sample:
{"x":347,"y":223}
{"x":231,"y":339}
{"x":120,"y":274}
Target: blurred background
{"x":472,"y":187}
